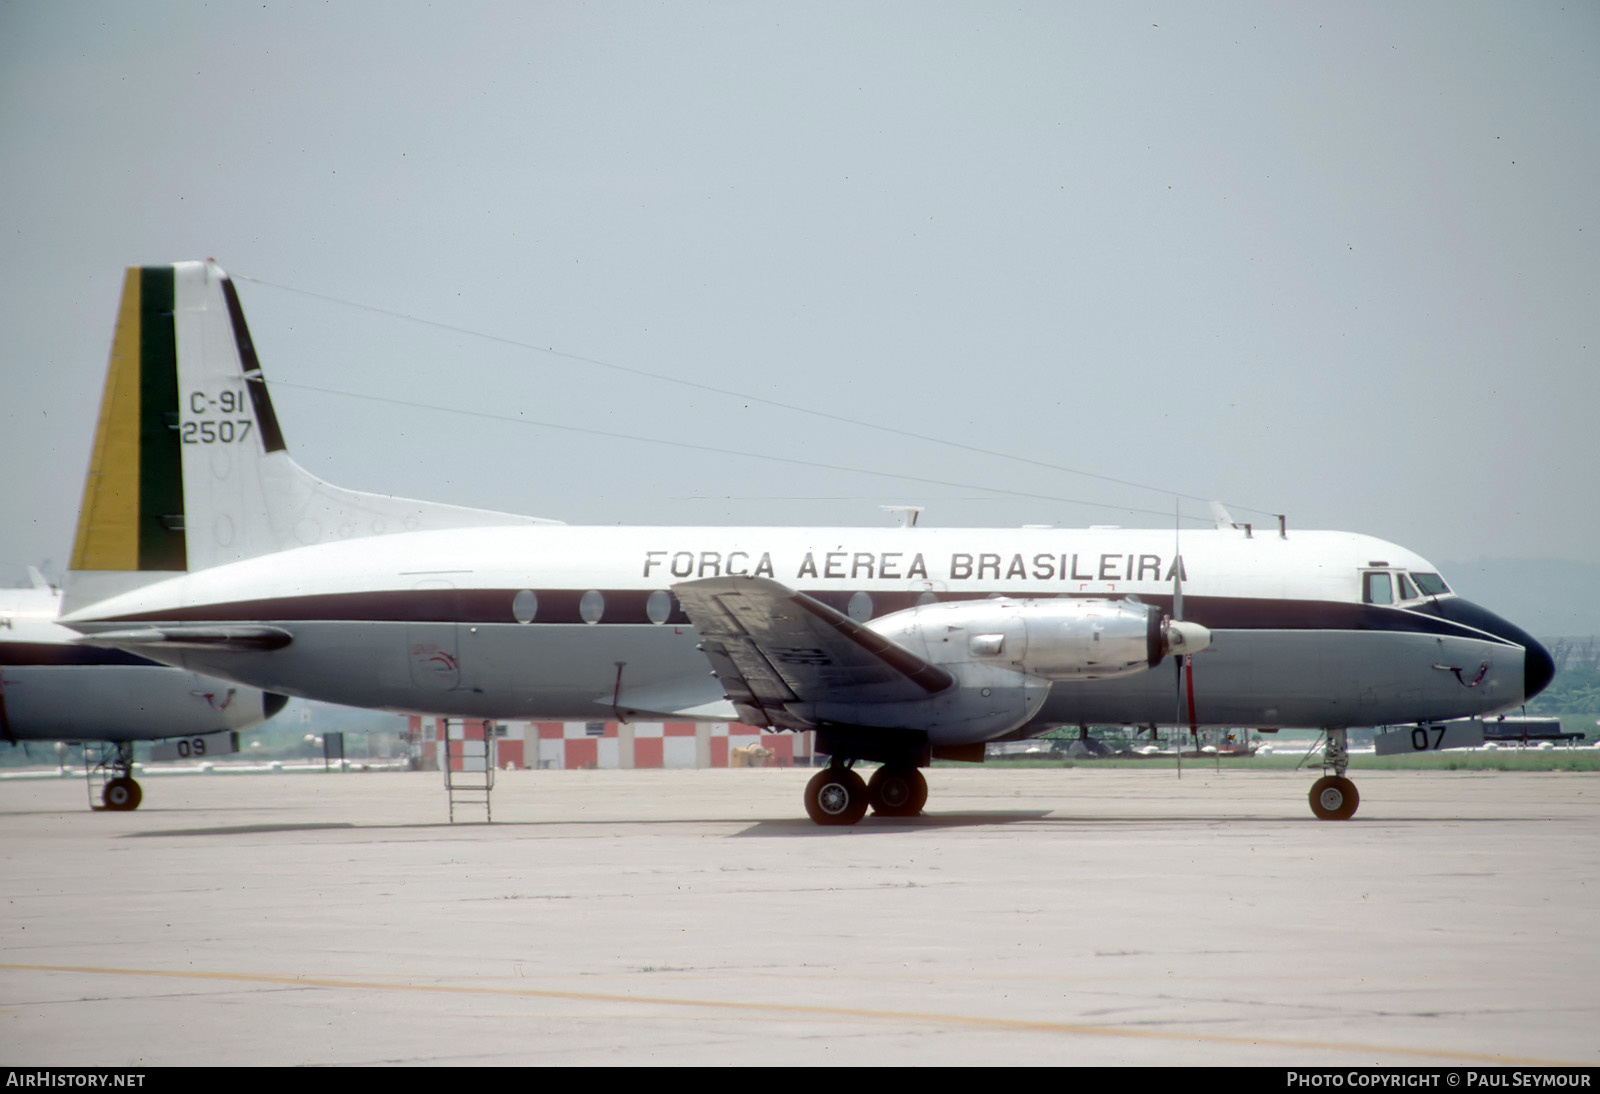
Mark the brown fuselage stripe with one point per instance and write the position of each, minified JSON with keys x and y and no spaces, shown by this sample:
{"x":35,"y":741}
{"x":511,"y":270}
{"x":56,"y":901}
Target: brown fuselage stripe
{"x":628,"y":606}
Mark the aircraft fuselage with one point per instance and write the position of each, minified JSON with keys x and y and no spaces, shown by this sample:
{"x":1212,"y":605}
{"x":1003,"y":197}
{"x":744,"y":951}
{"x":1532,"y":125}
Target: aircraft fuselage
{"x":579,"y":623}
{"x":53,"y":688}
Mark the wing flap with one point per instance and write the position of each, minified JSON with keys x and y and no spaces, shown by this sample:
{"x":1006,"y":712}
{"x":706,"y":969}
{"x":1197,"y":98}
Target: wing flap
{"x":771,"y":646}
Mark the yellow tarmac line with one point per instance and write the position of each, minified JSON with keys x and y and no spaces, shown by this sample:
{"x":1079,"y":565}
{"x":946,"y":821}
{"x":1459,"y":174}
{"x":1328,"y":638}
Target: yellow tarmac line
{"x":808,"y":1010}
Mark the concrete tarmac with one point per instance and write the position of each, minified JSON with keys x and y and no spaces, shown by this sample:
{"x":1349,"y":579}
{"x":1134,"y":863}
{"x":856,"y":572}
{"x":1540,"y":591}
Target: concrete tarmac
{"x":1043,"y":916}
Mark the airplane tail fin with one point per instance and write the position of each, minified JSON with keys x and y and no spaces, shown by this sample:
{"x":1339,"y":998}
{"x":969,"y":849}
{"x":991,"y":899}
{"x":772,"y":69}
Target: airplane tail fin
{"x":189,"y":468}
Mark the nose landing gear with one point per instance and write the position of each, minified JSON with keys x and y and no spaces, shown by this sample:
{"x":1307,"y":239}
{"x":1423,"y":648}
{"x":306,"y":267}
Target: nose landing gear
{"x":1334,"y":797}
{"x":121,"y":792}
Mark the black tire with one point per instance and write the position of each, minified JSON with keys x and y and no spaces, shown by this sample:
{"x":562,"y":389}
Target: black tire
{"x":897,"y":791}
{"x":1334,"y":797}
{"x":122,"y":795}
{"x":836,"y":795}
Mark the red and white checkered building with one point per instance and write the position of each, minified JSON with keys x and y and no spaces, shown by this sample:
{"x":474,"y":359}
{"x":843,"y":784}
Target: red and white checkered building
{"x":610,"y":745}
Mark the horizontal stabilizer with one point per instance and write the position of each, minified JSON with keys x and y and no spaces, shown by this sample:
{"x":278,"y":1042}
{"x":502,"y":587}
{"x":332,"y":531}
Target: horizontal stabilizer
{"x":199,"y":638}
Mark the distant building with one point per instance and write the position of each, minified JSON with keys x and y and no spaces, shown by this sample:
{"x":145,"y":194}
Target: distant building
{"x":1511,"y":729}
{"x":614,"y":745}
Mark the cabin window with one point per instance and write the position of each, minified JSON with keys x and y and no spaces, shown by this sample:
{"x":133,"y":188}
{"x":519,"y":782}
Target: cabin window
{"x":524,"y":606}
{"x":592,"y":606}
{"x":1431,"y":584}
{"x":860,"y":607}
{"x":659,"y":606}
{"x":1378,"y":588}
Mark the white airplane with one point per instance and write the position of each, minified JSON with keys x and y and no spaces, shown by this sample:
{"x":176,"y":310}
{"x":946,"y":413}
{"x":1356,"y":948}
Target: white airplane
{"x":54,"y":688}
{"x":895,"y":645}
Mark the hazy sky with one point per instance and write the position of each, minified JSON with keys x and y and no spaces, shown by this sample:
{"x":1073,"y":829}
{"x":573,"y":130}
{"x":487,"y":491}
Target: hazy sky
{"x":1338,"y":261}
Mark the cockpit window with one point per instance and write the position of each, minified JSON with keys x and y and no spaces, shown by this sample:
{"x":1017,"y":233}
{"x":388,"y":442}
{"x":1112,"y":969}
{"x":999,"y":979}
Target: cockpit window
{"x":1377,"y":589}
{"x":1431,"y":584}
{"x":1408,"y":591}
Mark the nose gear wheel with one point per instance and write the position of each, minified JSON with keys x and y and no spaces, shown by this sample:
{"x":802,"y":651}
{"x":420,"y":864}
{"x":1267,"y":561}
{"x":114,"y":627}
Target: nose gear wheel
{"x":1334,"y":797}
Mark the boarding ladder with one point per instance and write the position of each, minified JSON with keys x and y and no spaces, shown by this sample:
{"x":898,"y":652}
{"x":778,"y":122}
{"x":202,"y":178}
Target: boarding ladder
{"x":467,"y":758}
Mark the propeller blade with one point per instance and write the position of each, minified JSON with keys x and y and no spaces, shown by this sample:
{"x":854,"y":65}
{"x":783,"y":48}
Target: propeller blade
{"x":1174,"y":627}
{"x":1194,"y":723}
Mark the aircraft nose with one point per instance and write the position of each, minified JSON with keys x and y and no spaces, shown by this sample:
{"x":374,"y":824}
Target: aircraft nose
{"x":1538,"y":668}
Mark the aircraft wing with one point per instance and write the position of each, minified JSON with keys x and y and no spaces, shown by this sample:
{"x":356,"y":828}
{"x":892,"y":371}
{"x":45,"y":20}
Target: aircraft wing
{"x":771,"y":646}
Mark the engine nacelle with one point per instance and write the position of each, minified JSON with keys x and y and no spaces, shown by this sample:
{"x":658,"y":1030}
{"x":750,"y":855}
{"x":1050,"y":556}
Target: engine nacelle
{"x":1005,"y":654}
{"x":987,"y":701}
{"x":1058,"y":639}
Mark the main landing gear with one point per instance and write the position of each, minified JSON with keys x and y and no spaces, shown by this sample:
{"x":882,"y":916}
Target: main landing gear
{"x":1334,"y":797}
{"x":120,"y":792}
{"x":837,"y":795}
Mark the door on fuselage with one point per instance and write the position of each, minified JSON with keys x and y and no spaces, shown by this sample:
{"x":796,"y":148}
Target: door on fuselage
{"x":431,"y":647}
